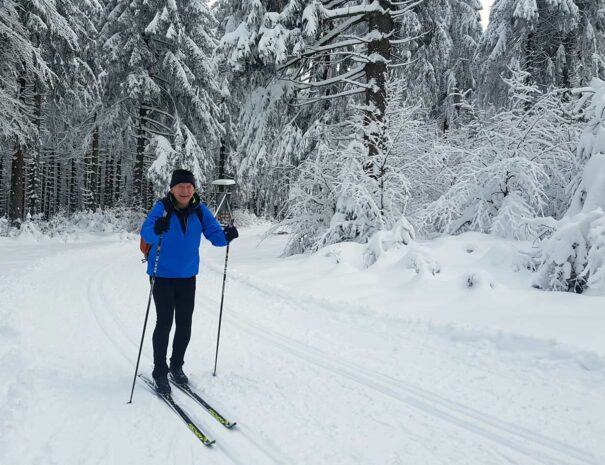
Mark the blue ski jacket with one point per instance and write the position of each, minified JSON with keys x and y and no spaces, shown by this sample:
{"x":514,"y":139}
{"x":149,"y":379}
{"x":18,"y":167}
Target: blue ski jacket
{"x":180,"y":251}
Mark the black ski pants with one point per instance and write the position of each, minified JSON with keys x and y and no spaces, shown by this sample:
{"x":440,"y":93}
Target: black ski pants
{"x":174,"y":299}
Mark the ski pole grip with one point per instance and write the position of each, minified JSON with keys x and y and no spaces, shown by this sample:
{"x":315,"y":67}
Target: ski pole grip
{"x":157,"y":252}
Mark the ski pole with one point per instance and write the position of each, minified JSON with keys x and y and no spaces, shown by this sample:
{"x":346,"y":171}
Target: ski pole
{"x":220,"y":317}
{"x":155,"y":271}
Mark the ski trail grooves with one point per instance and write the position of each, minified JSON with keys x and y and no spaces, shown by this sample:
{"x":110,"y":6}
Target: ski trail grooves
{"x":305,"y":302}
{"x":124,"y":343}
{"x":534,"y":445}
{"x":99,"y":306}
{"x":370,"y":375}
{"x":428,"y":403}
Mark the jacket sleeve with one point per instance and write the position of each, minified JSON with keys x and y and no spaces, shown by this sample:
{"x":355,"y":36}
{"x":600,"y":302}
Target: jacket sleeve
{"x":212,"y":229}
{"x":147,"y":229}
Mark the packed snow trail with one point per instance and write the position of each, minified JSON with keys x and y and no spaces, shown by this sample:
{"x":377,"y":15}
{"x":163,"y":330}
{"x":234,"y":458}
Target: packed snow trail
{"x":532,"y":444}
{"x":308,"y":382}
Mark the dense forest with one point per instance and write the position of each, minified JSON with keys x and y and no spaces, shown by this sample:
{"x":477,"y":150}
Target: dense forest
{"x":337,"y":118}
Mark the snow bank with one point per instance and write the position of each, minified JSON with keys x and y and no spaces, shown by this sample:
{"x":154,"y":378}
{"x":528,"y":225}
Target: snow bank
{"x":115,"y":220}
{"x":474,"y":284}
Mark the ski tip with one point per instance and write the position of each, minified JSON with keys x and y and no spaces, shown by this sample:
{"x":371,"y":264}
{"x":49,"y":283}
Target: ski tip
{"x":206,"y":441}
{"x":231,"y":425}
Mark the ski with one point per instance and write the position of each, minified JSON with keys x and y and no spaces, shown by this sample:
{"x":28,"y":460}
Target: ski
{"x":180,"y":412}
{"x":195,"y":396}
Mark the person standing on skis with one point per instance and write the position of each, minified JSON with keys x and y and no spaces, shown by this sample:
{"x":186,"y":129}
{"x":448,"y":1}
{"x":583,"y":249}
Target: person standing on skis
{"x":180,"y":218}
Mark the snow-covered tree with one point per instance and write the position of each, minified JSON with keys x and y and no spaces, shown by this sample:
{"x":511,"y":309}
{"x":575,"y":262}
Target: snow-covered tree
{"x":71,"y":116}
{"x":331,"y":50}
{"x":341,"y":49}
{"x":265,"y":137}
{"x":332,"y":61}
{"x":50,"y":29}
{"x":159,"y":70}
{"x":503,"y":173}
{"x":573,"y":257}
{"x":332,"y":199}
{"x":588,"y":44}
{"x":440,"y":72}
{"x":17,"y":56}
{"x":560,"y":43}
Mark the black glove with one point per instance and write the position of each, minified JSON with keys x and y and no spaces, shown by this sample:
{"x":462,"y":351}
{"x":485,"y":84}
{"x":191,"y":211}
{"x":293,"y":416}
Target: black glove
{"x":230,"y":233}
{"x":161,"y":225}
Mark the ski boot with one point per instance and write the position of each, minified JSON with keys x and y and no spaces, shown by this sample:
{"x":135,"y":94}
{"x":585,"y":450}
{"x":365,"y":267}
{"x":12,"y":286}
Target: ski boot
{"x":162,"y":386}
{"x":177,"y":375}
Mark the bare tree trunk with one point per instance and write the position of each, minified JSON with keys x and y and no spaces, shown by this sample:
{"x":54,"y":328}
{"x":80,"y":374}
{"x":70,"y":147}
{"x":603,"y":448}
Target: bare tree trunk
{"x":3,"y":211}
{"x":17,"y":191}
{"x":108,"y":183}
{"x":44,"y":186}
{"x":73,"y":189}
{"x":532,"y":65}
{"x":117,"y":183}
{"x":95,"y":167}
{"x":148,"y":196}
{"x":57,"y":197}
{"x":138,"y":186}
{"x":34,"y":185}
{"x":379,"y":51}
{"x":570,"y":44}
{"x":91,"y":174}
{"x":48,"y":184}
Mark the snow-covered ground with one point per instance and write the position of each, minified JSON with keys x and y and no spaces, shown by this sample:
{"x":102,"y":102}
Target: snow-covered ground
{"x":440,"y":353}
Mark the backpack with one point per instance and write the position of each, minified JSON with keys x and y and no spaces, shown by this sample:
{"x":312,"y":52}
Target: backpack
{"x":146,"y":248}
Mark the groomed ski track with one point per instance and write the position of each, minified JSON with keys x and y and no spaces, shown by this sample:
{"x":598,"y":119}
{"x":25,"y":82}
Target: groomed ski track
{"x":308,"y":382}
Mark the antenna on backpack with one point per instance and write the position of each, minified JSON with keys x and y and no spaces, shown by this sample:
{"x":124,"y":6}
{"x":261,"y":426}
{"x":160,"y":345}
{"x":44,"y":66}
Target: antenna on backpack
{"x":224,"y":215}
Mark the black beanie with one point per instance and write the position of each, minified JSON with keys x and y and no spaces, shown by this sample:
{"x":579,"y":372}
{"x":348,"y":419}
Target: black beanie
{"x":180,"y":176}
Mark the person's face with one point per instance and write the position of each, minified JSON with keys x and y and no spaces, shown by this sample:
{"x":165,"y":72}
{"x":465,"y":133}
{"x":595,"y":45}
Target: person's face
{"x":183,"y":193}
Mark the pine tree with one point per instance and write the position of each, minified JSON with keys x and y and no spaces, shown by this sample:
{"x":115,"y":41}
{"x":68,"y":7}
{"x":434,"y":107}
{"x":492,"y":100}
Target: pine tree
{"x":573,"y":254}
{"x":160,"y":73}
{"x":439,"y":76}
{"x":50,"y":29}
{"x":560,"y":43}
{"x":17,"y":55}
{"x":255,"y":108}
{"x":503,"y":173}
{"x":332,"y":61}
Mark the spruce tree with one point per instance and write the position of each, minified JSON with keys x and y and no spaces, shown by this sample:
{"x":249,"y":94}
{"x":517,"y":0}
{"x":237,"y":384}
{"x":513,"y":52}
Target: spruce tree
{"x":161,"y":76}
{"x":560,"y":43}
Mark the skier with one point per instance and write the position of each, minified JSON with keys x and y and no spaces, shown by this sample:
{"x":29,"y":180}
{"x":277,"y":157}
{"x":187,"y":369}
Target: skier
{"x":180,"y":218}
